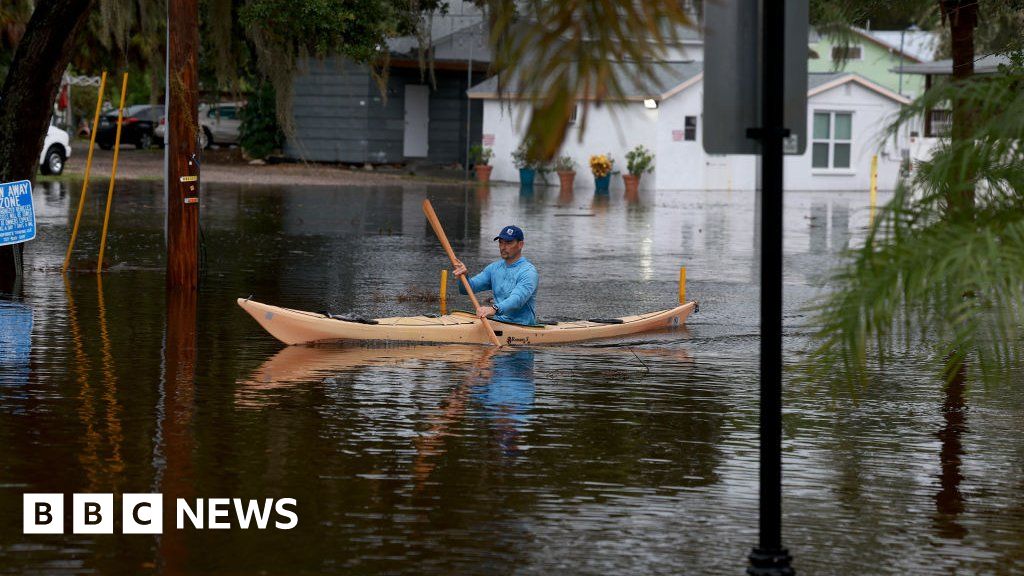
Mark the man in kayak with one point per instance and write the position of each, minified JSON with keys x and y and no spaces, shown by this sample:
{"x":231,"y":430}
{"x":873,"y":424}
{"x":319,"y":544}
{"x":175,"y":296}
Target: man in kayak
{"x":513,"y":280}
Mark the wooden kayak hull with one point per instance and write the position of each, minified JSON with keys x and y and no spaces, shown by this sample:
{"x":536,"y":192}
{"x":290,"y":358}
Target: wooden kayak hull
{"x":299,"y":327}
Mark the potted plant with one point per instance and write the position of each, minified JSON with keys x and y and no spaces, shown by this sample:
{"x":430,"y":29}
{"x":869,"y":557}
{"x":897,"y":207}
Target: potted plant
{"x":481,"y":156}
{"x":566,"y":168}
{"x":639,"y":160}
{"x":526,"y":163}
{"x":601,"y":167}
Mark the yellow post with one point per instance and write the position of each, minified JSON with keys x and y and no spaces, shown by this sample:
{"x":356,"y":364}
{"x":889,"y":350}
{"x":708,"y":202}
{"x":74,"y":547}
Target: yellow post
{"x":682,"y":285}
{"x":874,"y":184}
{"x":444,"y":291}
{"x":113,"y":173}
{"x":88,"y":167}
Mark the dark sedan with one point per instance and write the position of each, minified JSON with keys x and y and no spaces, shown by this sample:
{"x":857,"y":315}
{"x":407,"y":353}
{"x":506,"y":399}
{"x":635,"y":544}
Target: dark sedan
{"x":136,"y":126}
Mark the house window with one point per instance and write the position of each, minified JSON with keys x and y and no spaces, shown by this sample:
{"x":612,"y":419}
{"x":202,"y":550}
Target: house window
{"x":832,"y":140}
{"x":846,"y":53}
{"x":572,"y":115}
{"x":941,"y":123}
{"x":690,"y":128}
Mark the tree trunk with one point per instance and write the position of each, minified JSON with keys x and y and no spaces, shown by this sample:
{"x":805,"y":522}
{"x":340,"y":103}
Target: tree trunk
{"x":26,"y":99}
{"x":963,"y":18}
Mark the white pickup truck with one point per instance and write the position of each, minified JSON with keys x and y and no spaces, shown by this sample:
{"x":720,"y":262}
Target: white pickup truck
{"x":56,"y":151}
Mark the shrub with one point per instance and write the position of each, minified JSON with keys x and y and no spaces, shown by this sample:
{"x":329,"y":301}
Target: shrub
{"x":522,"y":158}
{"x":259,"y":133}
{"x":564,"y":164}
{"x":639,"y":160}
{"x":480,"y":155}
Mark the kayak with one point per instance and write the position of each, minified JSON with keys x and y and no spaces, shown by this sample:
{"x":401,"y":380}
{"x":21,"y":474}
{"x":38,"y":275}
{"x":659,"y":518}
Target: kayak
{"x":300,"y":327}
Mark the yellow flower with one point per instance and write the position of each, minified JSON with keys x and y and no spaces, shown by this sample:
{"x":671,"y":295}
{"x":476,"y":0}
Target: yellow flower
{"x":600,"y":165}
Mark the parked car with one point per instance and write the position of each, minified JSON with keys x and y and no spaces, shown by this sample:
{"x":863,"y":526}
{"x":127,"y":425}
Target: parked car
{"x":56,"y":151}
{"x":220,"y":123}
{"x":159,"y":131}
{"x":136,"y":126}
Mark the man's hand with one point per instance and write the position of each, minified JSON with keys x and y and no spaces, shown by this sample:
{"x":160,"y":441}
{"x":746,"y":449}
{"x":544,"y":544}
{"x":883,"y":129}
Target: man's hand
{"x":459,"y":269}
{"x":484,"y":311}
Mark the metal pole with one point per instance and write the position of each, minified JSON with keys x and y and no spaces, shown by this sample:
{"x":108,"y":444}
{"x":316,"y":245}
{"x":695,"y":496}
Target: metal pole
{"x":769,"y":557}
{"x":469,"y":103}
{"x":902,"y":32}
{"x":182,"y":181}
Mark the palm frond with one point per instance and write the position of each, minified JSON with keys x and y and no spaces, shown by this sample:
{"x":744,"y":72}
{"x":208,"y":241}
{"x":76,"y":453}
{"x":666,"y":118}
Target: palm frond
{"x":559,"y":53}
{"x":930,"y":277}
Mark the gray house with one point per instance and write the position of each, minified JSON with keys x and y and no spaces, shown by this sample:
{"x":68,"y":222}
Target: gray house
{"x":341,"y":116}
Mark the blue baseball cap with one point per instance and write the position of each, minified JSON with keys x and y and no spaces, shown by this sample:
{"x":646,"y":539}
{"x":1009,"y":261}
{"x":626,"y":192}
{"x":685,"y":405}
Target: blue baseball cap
{"x":510,"y":233}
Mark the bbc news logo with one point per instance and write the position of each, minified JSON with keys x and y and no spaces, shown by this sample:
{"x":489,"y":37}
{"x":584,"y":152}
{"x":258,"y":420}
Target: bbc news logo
{"x":144,"y":513}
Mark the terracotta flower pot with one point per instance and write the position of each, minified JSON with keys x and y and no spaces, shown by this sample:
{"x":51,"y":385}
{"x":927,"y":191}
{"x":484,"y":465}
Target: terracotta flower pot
{"x":632,"y":183}
{"x":567,"y":179}
{"x":483,"y":172}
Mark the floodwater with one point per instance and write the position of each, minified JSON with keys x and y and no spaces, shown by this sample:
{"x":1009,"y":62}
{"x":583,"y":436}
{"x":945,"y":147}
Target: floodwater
{"x":628,"y":457}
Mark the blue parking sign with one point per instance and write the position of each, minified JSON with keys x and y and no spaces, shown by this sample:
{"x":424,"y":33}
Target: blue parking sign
{"x":17,"y":214}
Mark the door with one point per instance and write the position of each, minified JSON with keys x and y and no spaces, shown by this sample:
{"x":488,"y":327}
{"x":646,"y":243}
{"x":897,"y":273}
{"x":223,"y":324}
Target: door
{"x":417,"y":120}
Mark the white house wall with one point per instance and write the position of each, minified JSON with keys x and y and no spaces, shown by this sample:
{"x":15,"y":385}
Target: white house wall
{"x":610,"y":128}
{"x":683,"y":165}
{"x":872,"y":113}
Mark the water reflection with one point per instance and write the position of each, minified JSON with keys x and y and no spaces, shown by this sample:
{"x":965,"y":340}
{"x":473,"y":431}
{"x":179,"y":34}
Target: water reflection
{"x":115,"y":464}
{"x":438,"y":460}
{"x":99,"y":411}
{"x":15,"y":343}
{"x":949,"y":501}
{"x":297,"y":366}
{"x":840,"y":236}
{"x":174,"y":442}
{"x":506,"y":396}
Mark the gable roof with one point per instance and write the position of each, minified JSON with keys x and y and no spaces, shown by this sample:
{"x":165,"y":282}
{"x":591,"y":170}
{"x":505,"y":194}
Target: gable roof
{"x":821,"y":82}
{"x":814,"y":36}
{"x":919,"y":44}
{"x":669,"y":79}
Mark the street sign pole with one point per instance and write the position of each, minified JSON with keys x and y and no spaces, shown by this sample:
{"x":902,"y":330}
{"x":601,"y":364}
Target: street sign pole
{"x":755,"y":93}
{"x":769,"y":558}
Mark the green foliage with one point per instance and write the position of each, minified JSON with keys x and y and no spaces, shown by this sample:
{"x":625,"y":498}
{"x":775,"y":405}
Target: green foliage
{"x":14,"y":15}
{"x":564,"y":164}
{"x":323,"y":27}
{"x":259,"y":134}
{"x":639,"y":161}
{"x":942,"y":267}
{"x":480,"y":154}
{"x":524,"y":157}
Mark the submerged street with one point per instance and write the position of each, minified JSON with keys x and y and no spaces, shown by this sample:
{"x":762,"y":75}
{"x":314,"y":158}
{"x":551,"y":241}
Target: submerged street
{"x":636,"y":456}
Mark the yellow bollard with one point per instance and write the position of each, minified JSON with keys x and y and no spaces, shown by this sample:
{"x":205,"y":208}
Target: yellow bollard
{"x":444,"y":291}
{"x":874,"y":185}
{"x":88,"y":167}
{"x":682,"y":285}
{"x":113,"y":174}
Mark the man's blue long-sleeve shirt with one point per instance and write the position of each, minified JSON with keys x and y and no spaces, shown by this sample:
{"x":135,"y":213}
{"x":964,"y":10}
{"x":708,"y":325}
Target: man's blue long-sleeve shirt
{"x":514,"y":288}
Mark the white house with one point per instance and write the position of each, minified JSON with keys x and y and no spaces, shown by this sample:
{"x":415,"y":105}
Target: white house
{"x":847,"y":115}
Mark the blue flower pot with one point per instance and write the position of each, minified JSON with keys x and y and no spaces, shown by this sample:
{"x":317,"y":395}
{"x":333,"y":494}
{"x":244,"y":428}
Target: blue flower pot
{"x":526,"y":176}
{"x":602,"y":184}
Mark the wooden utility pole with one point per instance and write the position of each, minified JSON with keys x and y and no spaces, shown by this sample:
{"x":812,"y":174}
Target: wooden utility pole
{"x":181,"y":153}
